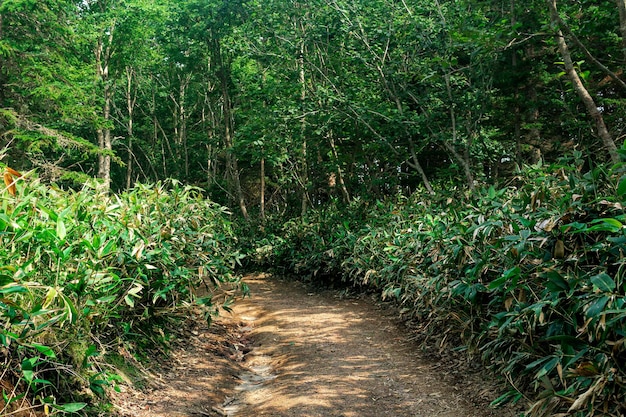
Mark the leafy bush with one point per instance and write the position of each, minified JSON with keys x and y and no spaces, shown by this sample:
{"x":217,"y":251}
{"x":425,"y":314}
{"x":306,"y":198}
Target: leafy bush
{"x":80,"y":271}
{"x":530,"y":278}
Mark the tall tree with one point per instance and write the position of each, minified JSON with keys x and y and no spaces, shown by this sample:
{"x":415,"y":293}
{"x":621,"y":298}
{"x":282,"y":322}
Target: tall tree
{"x":103,"y":53}
{"x":579,"y":87}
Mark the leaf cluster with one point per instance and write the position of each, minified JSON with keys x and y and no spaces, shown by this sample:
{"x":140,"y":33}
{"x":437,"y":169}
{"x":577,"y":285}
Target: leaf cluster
{"x":83,"y":274}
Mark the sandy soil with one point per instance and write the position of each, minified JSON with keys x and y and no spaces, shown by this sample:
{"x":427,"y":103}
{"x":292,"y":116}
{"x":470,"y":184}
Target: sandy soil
{"x":288,"y":351}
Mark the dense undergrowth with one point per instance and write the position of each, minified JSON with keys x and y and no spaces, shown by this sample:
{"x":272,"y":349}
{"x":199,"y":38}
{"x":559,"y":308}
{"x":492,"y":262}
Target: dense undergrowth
{"x":85,"y":276}
{"x":529,"y":277}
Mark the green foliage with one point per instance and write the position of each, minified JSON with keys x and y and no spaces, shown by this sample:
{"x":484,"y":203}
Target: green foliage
{"x":530,"y":278}
{"x":80,"y":271}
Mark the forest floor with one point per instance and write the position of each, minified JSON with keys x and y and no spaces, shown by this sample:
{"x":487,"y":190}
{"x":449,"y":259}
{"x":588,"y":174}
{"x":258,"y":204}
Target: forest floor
{"x":290,"y":351}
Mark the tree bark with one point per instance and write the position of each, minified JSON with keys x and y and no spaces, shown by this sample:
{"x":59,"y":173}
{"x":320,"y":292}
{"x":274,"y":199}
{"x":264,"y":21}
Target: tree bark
{"x":231,"y":160}
{"x":182,"y":114}
{"x":304,"y":168}
{"x":418,"y":167}
{"x":1,"y":64}
{"x":465,"y":163}
{"x":103,"y":56}
{"x":342,"y":184}
{"x":579,"y":87}
{"x":621,"y":7}
{"x":564,"y":26}
{"x":131,"y":99}
{"x":262,"y":198}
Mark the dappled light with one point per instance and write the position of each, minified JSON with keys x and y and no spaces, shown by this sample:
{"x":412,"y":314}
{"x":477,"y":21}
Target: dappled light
{"x":336,"y":357}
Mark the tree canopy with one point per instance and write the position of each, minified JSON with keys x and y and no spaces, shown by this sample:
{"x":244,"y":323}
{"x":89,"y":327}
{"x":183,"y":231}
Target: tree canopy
{"x":283,"y":105}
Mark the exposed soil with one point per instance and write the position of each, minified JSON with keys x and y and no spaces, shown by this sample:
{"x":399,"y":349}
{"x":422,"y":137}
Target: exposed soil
{"x":289,"y":351}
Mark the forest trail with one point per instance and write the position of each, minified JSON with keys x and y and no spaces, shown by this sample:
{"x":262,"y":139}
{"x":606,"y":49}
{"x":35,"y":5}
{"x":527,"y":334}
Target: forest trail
{"x":293,"y":352}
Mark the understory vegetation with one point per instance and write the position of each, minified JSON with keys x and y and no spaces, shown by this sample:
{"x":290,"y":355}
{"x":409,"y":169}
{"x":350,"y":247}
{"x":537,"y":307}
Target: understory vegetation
{"x":85,"y":276}
{"x":459,"y":157}
{"x":529,"y":277}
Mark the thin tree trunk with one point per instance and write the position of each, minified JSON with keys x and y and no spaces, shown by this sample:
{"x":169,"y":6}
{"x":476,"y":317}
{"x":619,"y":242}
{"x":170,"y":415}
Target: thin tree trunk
{"x":579,"y":87}
{"x":418,"y":167}
{"x":179,"y":117}
{"x":564,"y":27}
{"x":231,"y":160}
{"x":103,"y":56}
{"x":621,"y":6}
{"x":262,"y":202}
{"x":304,"y":168}
{"x":342,"y":184}
{"x":210,"y":177}
{"x":182,"y":139}
{"x":517,"y":128}
{"x":2,"y":81}
{"x":465,"y":163}
{"x":130,"y":108}
{"x":209,"y":121}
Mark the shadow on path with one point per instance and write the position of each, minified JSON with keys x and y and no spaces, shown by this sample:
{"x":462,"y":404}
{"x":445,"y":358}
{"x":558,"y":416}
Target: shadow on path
{"x":319,"y":355}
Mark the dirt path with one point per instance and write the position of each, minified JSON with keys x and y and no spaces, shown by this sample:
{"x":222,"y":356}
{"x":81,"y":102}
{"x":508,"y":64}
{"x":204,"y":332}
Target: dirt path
{"x":290,"y":352}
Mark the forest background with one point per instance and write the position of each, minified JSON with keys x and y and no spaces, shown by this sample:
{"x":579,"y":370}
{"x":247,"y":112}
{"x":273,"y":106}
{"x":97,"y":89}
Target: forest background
{"x":461,"y":157}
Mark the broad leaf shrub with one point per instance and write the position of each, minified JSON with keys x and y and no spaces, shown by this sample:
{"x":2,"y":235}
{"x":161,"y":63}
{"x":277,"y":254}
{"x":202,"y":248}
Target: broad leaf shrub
{"x":83,"y":274}
{"x":528,"y":277}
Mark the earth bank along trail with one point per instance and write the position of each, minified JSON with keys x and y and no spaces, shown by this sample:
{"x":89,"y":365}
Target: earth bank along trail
{"x":287,"y":351}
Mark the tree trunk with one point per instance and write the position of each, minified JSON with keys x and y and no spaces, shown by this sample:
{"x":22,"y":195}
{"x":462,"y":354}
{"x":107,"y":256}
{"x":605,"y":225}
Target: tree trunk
{"x":465,"y":163}
{"x":2,"y":81}
{"x":231,"y":160}
{"x":342,"y":184}
{"x":564,"y":27}
{"x":103,"y":133}
{"x":179,"y":118}
{"x":418,"y":167}
{"x":182,"y":114}
{"x":131,"y":99}
{"x":210,"y":123}
{"x":621,"y":6}
{"x":517,"y":127}
{"x":262,"y":198}
{"x":304,"y":168}
{"x":579,"y":87}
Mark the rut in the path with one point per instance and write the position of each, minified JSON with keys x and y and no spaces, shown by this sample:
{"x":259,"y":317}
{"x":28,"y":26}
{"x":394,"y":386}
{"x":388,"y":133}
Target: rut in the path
{"x":315,"y":354}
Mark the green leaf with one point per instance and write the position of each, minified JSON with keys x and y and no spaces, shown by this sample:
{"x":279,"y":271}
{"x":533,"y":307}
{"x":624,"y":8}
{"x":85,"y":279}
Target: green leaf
{"x":597,"y":306}
{"x":42,"y":381}
{"x":509,"y":274}
{"x":69,"y":407}
{"x":606,"y":225}
{"x":28,"y":366}
{"x":603,"y":282}
{"x":129,"y":301}
{"x":45,"y":350}
{"x":106,"y":299}
{"x":61,"y":230}
{"x":5,"y":280}
{"x":545,"y":369}
{"x":556,"y":282}
{"x":13,"y":288}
